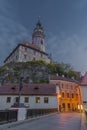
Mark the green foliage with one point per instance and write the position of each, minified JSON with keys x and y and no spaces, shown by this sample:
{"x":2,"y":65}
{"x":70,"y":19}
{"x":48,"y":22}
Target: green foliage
{"x":33,"y":67}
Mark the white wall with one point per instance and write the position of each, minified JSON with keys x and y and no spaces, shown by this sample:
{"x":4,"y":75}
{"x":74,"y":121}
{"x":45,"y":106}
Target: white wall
{"x":84,"y":93}
{"x":52,"y":103}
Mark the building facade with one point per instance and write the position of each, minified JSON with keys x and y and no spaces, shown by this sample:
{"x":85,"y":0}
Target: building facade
{"x":84,"y":88}
{"x":34,"y":96}
{"x":26,"y":51}
{"x":69,"y":93}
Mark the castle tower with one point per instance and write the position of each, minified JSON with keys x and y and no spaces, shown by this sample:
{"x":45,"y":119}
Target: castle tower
{"x":38,"y":36}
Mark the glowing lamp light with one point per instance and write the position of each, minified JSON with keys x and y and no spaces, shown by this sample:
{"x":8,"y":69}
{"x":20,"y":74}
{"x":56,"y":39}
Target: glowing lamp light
{"x":59,"y":96}
{"x":78,"y":107}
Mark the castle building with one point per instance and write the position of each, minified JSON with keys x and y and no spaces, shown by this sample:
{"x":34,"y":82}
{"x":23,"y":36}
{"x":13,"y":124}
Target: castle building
{"x":26,"y":51}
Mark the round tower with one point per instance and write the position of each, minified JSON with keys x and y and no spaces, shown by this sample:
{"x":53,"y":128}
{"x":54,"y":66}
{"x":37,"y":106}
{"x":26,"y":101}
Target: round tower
{"x":38,"y":36}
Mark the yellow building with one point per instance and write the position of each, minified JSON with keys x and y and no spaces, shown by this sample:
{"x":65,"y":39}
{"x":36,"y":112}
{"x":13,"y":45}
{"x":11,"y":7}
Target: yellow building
{"x":69,"y":93}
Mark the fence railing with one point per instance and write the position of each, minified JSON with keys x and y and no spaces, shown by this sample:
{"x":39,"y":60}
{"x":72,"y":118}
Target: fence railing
{"x":8,"y":116}
{"x":38,"y":112}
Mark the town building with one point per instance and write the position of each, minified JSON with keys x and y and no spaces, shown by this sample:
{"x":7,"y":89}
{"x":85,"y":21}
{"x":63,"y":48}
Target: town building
{"x":34,"y":96}
{"x":83,"y":82}
{"x":69,"y":93}
{"x":27,"y":51}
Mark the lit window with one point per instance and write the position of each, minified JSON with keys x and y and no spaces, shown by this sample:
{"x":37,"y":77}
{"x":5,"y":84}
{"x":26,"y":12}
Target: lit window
{"x":26,"y":100}
{"x":37,"y":99}
{"x":8,"y":99}
{"x":45,"y":99}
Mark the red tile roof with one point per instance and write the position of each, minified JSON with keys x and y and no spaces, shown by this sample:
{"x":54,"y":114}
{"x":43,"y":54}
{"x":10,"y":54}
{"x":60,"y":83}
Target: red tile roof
{"x":31,"y":89}
{"x":32,"y":45}
{"x":84,"y":79}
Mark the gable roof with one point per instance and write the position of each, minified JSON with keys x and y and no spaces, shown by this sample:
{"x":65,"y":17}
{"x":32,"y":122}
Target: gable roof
{"x":31,"y":89}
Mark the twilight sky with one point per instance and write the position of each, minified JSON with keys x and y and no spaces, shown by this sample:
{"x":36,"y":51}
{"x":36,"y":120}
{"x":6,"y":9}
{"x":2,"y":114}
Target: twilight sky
{"x":65,"y":25}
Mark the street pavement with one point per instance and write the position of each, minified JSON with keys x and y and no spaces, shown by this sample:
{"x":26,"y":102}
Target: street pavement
{"x":62,"y":121}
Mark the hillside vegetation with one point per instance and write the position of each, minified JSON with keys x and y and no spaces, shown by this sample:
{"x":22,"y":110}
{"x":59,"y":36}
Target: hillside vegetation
{"x":35,"y":71}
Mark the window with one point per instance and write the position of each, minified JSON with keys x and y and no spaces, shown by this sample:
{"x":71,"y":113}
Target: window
{"x":63,"y":105}
{"x":77,"y":95}
{"x":72,"y":95}
{"x":25,"y":56}
{"x":67,"y":95}
{"x":8,"y":99}
{"x":26,"y":100}
{"x":67,"y":86}
{"x":25,"y":48}
{"x":62,"y":85}
{"x":16,"y":57}
{"x":37,"y":99}
{"x":16,"y":99}
{"x":68,"y":105}
{"x":45,"y":99}
{"x":63,"y":94}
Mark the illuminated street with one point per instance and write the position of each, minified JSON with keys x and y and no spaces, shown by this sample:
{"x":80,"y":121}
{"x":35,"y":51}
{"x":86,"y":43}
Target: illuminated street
{"x":64,"y":121}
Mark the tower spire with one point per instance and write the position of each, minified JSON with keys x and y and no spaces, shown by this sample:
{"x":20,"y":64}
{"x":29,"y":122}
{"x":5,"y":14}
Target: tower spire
{"x":38,"y":36}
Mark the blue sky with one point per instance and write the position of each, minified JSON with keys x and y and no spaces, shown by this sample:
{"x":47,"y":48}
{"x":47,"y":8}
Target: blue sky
{"x":65,"y":25}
